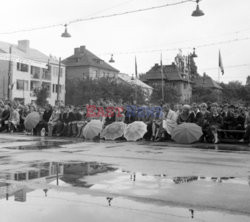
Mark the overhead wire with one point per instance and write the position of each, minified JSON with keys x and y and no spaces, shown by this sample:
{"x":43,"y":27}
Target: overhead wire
{"x":177,"y":48}
{"x":97,"y":17}
{"x":227,"y":67}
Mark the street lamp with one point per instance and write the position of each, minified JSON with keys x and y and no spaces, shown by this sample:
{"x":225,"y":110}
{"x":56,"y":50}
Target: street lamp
{"x":65,"y":34}
{"x":197,"y":12}
{"x":194,"y":55}
{"x":111,"y":59}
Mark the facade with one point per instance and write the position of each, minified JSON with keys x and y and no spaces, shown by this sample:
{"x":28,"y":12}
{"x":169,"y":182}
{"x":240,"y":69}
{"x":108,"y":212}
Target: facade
{"x":176,"y":75}
{"x":23,"y":69}
{"x":125,"y":78}
{"x":206,"y":82}
{"x":84,"y":64}
{"x":248,"y":81}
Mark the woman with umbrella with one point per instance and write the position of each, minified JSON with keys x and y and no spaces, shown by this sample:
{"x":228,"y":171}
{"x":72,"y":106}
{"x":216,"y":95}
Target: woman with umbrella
{"x":32,"y":119}
{"x":169,"y":119}
{"x":185,"y":116}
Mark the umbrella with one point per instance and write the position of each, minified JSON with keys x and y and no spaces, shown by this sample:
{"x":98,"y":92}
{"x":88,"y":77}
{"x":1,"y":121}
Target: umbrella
{"x":31,"y":120}
{"x":135,"y":131}
{"x":186,"y":133}
{"x":92,"y":129}
{"x":113,"y":131}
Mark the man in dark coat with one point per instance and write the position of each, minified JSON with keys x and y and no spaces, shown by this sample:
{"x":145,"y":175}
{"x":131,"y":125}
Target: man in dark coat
{"x":4,"y":118}
{"x":214,"y":122}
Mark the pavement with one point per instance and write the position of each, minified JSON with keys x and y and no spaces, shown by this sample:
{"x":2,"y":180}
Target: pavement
{"x":67,"y":179}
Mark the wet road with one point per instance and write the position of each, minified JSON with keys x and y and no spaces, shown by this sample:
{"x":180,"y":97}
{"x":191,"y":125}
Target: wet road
{"x":60,"y":179}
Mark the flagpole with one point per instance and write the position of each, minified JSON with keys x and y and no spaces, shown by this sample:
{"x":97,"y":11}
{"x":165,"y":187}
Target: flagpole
{"x":135,"y":80}
{"x":9,"y":73}
{"x":162,"y":83}
{"x":218,"y":74}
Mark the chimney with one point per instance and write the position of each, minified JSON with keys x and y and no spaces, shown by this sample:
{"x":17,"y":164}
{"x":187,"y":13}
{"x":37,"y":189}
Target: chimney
{"x":77,"y":51}
{"x":24,"y":45}
{"x":82,"y":48}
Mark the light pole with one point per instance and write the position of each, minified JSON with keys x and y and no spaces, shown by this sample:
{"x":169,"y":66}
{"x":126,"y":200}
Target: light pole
{"x":9,"y":73}
{"x":58,"y":81}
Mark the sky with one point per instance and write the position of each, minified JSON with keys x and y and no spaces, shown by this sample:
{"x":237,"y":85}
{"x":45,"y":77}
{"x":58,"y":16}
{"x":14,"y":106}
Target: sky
{"x":144,"y":35}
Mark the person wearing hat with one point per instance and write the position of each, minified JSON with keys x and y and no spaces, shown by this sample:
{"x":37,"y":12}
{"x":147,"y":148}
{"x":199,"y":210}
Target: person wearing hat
{"x":214,"y":122}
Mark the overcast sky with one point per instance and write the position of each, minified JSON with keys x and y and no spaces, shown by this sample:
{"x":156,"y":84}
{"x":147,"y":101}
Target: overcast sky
{"x":144,"y":35}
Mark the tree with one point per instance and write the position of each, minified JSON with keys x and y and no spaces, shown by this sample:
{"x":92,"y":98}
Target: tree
{"x":41,"y":95}
{"x":201,"y":94}
{"x":171,"y":95}
{"x":233,"y":92}
{"x":80,"y":91}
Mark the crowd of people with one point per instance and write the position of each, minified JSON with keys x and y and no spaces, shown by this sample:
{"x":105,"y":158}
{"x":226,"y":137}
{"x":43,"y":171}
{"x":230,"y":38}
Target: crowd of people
{"x":217,"y":121}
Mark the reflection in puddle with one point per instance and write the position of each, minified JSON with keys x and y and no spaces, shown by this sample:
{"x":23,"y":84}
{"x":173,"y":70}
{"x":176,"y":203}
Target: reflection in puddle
{"x":42,"y":144}
{"x":64,"y":184}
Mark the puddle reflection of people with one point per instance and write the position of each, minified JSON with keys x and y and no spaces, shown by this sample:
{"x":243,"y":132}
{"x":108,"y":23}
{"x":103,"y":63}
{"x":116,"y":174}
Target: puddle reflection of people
{"x":192,"y":213}
{"x":133,"y":177}
{"x":45,"y":191}
{"x":7,"y":191}
{"x":109,"y":199}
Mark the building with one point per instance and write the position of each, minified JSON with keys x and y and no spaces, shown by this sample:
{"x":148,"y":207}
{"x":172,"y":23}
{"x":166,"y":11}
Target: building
{"x":206,"y":82}
{"x":24,"y":69}
{"x":177,"y":75}
{"x":248,"y":81}
{"x":84,"y":64}
{"x":125,"y":78}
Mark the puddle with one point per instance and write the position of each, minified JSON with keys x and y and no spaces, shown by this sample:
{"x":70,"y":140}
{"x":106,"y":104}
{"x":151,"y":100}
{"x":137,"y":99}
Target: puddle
{"x":47,"y":191}
{"x":222,"y":147}
{"x":39,"y":145}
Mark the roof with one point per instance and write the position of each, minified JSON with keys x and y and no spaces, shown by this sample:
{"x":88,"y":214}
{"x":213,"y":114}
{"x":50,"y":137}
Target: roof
{"x":129,"y":80}
{"x":30,"y":53}
{"x":170,"y":73}
{"x":83,"y":57}
{"x":206,"y":82}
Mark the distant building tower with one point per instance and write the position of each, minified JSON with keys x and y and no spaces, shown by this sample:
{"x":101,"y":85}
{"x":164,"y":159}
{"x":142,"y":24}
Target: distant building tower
{"x":248,"y":81}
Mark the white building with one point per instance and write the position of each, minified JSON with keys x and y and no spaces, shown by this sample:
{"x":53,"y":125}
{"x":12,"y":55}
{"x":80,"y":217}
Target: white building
{"x":122,"y":77}
{"x":23,"y":69}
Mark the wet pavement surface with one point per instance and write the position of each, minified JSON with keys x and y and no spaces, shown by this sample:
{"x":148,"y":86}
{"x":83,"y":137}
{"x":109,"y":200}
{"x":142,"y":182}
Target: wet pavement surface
{"x":64,"y":179}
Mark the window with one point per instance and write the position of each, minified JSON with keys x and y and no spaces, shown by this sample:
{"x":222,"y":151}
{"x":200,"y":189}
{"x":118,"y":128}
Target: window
{"x":56,"y":71}
{"x":35,"y":72}
{"x":46,"y":74}
{"x":22,"y":85}
{"x":55,"y":88}
{"x":22,"y":67}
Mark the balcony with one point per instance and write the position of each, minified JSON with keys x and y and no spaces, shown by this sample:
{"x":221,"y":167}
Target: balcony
{"x":46,"y":75}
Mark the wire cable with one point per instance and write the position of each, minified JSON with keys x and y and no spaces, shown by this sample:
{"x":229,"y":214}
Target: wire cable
{"x":96,"y":17}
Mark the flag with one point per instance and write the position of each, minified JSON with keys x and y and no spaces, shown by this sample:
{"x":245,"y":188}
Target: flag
{"x":136,"y":69}
{"x":221,"y":64}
